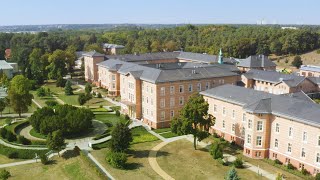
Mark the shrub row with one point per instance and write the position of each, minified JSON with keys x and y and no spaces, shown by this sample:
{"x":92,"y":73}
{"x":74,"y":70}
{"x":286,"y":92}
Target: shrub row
{"x":20,"y":153}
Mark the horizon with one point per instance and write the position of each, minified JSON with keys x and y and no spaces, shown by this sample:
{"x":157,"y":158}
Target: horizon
{"x":271,"y":12}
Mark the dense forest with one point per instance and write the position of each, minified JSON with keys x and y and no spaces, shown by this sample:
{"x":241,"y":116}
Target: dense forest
{"x":44,"y":55}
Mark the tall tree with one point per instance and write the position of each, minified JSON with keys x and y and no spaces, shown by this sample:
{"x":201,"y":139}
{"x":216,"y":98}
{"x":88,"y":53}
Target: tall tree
{"x":37,"y":66}
{"x":88,"y":88}
{"x":55,"y":141}
{"x":2,"y":105}
{"x":193,"y":119}
{"x":68,"y":88}
{"x":120,"y":138}
{"x":19,"y":94}
{"x":57,"y":66}
{"x":297,"y":62}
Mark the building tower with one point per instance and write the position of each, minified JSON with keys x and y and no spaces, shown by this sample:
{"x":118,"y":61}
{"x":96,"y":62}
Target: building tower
{"x":220,"y":61}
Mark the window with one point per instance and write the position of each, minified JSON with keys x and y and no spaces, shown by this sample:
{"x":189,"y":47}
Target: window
{"x":162,"y":91}
{"x":113,"y":85}
{"x":151,"y":112}
{"x":290,"y":131}
{"x":318,"y":140}
{"x":199,"y":86}
{"x":171,"y":89}
{"x":243,"y":131}
{"x":233,"y":128}
{"x":162,"y":103}
{"x":207,"y":85}
{"x":276,"y":143}
{"x":249,"y":124}
{"x":244,"y":117}
{"x":147,"y":100}
{"x":190,"y":88}
{"x":289,"y":148}
{"x":224,"y":110}
{"x":181,"y":89}
{"x":233,"y":113}
{"x":172,"y":113}
{"x":181,"y":100}
{"x":259,"y":141}
{"x":162,"y":115}
{"x":151,"y":101}
{"x":113,"y":77}
{"x":223,"y":124}
{"x":304,"y":138}
{"x":277,"y":127}
{"x":171,"y":101}
{"x":215,"y":110}
{"x":303,"y":153}
{"x":249,"y":139}
{"x":259,"y":126}
{"x":318,"y":158}
{"x":151,"y":90}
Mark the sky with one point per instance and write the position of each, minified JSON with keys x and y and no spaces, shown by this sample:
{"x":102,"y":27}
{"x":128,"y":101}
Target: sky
{"x":34,"y":12}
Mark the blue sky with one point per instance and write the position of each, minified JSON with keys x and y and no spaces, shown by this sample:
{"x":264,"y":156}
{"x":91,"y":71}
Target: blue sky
{"x":16,"y":12}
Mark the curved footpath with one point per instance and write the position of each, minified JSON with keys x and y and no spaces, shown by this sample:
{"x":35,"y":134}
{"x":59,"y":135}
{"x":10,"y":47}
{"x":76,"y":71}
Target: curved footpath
{"x":21,"y":147}
{"x":26,"y":133}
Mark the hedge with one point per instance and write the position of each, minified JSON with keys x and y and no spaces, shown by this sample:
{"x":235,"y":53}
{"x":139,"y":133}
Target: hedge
{"x":20,"y":153}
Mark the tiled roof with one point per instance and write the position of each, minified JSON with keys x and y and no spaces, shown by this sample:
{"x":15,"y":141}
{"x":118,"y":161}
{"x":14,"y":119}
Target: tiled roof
{"x":206,"y":58}
{"x":255,"y":61}
{"x":144,"y":57}
{"x":170,"y":72}
{"x":310,"y":68}
{"x":284,"y":106}
{"x":299,"y":95}
{"x":274,"y":77}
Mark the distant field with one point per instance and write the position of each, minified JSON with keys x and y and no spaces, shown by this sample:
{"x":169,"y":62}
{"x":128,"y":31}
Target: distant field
{"x":310,"y":58}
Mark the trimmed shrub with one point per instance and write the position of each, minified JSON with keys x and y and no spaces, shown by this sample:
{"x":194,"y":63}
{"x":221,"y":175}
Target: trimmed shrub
{"x":277,"y":161}
{"x":117,"y":113}
{"x":304,"y":171}
{"x":3,"y":132}
{"x":238,"y":163}
{"x":101,"y":106}
{"x":290,"y":166}
{"x":51,"y":103}
{"x":23,"y":140}
{"x":232,"y":175}
{"x":41,"y":92}
{"x":4,"y":174}
{"x":10,"y":136}
{"x":99,"y":95}
{"x":117,"y":159}
{"x":13,"y":155}
{"x":44,"y":159}
{"x":216,"y":150}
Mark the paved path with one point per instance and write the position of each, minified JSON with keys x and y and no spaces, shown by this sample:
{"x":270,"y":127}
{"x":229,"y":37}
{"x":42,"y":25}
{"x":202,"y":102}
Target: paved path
{"x":18,"y":163}
{"x":100,"y":166}
{"x":21,"y":147}
{"x":36,"y":103}
{"x":26,"y":133}
{"x":58,"y":99}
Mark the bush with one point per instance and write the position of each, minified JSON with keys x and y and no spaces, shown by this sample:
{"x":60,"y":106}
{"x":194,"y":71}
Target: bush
{"x":126,"y":117}
{"x":41,"y":92}
{"x":304,"y":171}
{"x":290,"y":166}
{"x":232,"y":175}
{"x":94,"y":93}
{"x":99,"y":95}
{"x":82,"y":99}
{"x":117,"y":159}
{"x":8,"y":121}
{"x":223,"y":162}
{"x":51,"y":103}
{"x":215,"y":135}
{"x":297,"y":62}
{"x":3,"y":132}
{"x":60,"y":82}
{"x":44,"y":159}
{"x":13,"y":155}
{"x":216,"y":150}
{"x":238,"y":163}
{"x":117,"y":113}
{"x":101,"y":106}
{"x":4,"y":174}
{"x":23,"y":140}
{"x":10,"y":136}
{"x":318,"y":174}
{"x":68,"y":89}
{"x":277,"y":161}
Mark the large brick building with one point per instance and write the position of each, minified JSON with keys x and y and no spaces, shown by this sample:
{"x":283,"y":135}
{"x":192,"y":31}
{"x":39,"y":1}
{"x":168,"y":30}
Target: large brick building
{"x":266,"y":125}
{"x":154,"y":86}
{"x":309,"y":71}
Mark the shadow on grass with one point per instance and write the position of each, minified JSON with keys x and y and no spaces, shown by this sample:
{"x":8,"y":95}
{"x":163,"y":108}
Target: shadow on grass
{"x":133,"y":166}
{"x":69,"y":154}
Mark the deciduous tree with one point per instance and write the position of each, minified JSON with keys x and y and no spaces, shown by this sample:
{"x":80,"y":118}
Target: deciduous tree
{"x":55,"y":141}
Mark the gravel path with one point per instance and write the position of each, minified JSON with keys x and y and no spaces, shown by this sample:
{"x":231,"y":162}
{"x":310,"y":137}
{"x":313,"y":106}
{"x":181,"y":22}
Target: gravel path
{"x":26,"y":133}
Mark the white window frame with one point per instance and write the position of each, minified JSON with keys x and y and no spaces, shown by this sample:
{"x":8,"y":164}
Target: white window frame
{"x":249,"y":138}
{"x":190,"y":88}
{"x":224,"y":111}
{"x":276,"y":143}
{"x":289,"y":147}
{"x":249,"y":124}
{"x":233,"y":114}
{"x":260,"y":129}
{"x":181,"y":100}
{"x":215,"y":110}
{"x":277,"y":128}
{"x":233,"y":128}
{"x":305,"y":136}
{"x":223,"y":124}
{"x":303,"y":153}
{"x":162,"y":103}
{"x":181,"y":88}
{"x":259,"y":141}
{"x":171,"y":89}
{"x":244,"y":117}
{"x":290,"y":132}
{"x":162,"y":91}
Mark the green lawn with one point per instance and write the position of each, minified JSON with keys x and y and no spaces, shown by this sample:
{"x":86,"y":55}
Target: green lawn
{"x":73,"y":168}
{"x":31,"y":109}
{"x":5,"y":160}
{"x":168,"y":135}
{"x":109,"y":118}
{"x":36,"y":134}
{"x":162,"y":130}
{"x":3,"y":120}
{"x":181,"y":161}
{"x":137,"y":165}
{"x":140,"y":135}
{"x":12,"y":127}
{"x":71,"y":99}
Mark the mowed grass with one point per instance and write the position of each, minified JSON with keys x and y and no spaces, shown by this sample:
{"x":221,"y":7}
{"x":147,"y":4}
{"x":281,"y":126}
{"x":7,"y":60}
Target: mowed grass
{"x":109,"y":118}
{"x":73,"y":168}
{"x":34,"y":133}
{"x":137,"y":165}
{"x":140,"y":135}
{"x":5,"y":160}
{"x":183,"y":162}
{"x":162,"y":130}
